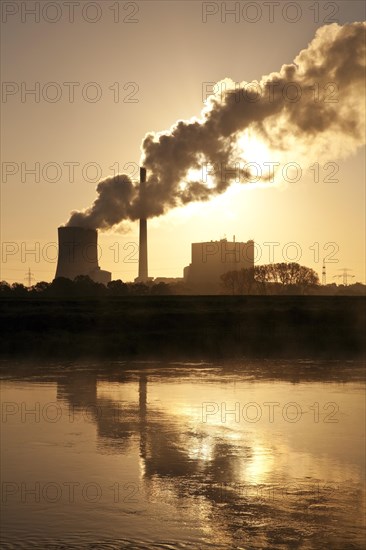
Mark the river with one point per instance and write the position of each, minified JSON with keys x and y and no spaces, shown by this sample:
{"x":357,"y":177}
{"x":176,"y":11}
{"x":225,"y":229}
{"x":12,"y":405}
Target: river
{"x":245,"y":454}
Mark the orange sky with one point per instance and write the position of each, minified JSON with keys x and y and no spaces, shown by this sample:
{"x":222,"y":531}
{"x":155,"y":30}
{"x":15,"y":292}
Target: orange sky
{"x":162,"y":61}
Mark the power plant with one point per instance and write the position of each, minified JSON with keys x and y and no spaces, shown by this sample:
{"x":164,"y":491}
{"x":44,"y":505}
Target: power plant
{"x":212,"y":259}
{"x":78,"y":250}
{"x":78,"y":254}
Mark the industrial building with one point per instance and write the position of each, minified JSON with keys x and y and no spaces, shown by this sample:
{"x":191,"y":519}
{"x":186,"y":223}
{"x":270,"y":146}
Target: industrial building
{"x":78,"y":254}
{"x":212,"y":259}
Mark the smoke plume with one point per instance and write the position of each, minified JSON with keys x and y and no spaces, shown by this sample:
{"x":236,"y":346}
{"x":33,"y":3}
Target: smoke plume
{"x":315,"y":103}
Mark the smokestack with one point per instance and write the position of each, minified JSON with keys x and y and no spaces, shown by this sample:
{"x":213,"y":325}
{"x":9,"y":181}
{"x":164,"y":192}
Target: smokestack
{"x":143,"y":271}
{"x":78,"y":254}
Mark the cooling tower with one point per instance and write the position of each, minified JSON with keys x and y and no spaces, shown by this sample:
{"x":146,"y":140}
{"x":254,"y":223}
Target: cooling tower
{"x":143,"y":270}
{"x":78,"y":254}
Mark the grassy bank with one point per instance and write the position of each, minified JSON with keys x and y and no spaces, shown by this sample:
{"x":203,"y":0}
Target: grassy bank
{"x":183,"y":327}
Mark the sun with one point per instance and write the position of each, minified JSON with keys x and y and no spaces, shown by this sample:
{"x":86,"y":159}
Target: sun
{"x":256,"y":157}
{"x":254,"y":149}
{"x":203,"y":175}
{"x":252,"y":155}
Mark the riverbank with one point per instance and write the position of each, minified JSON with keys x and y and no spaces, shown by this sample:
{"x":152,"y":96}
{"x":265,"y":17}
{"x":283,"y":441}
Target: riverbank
{"x":183,"y":327}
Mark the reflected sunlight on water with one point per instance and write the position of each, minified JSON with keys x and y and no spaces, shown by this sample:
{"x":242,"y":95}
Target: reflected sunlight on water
{"x":260,"y":455}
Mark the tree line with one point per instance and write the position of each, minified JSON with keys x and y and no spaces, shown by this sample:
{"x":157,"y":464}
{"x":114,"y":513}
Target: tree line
{"x":281,"y":278}
{"x":81,"y":286}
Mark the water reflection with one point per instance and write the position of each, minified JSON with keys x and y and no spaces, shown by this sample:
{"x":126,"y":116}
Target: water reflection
{"x":273,"y":483}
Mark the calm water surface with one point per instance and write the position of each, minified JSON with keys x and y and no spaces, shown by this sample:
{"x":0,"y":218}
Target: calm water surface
{"x":176,"y":456}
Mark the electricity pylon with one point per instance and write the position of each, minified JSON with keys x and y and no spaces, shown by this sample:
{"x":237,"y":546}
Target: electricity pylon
{"x":29,"y":277}
{"x":345,"y":275}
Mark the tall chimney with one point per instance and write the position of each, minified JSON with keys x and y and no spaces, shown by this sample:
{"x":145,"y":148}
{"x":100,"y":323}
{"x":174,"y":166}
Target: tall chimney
{"x":143,"y":273}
